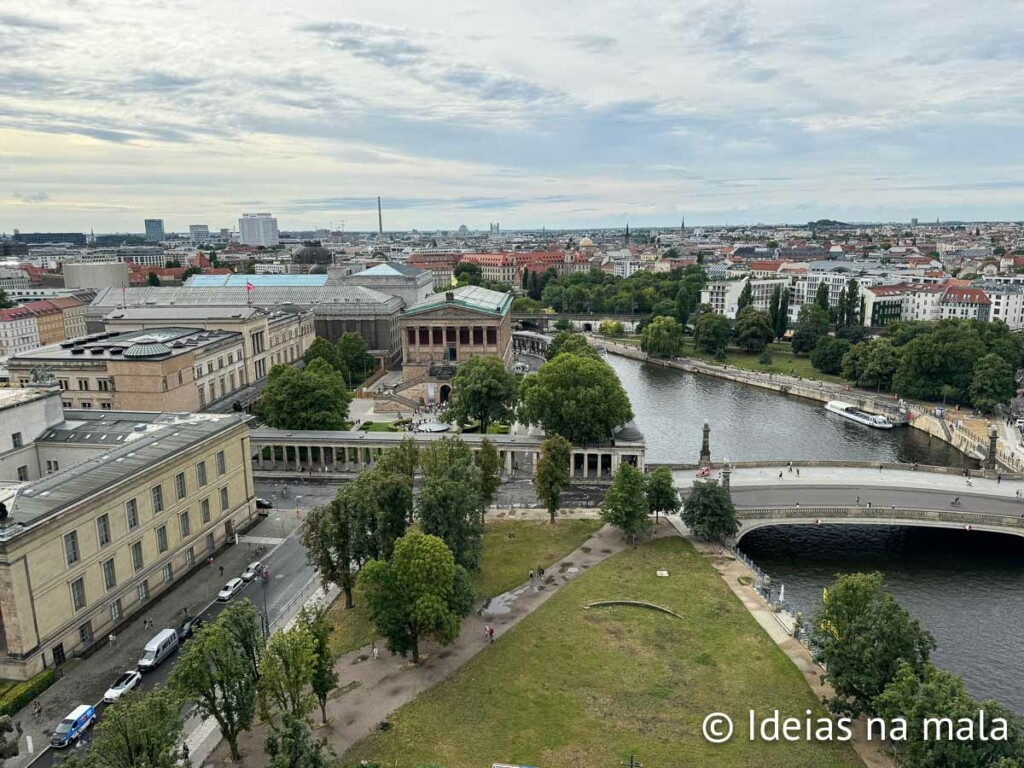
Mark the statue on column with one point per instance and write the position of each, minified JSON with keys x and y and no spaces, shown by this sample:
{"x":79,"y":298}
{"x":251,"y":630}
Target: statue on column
{"x":705,"y":446}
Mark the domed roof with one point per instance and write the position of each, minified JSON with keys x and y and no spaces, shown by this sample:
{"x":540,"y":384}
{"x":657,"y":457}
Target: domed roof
{"x":318,"y":269}
{"x":312,"y":253}
{"x":147,"y":347}
{"x":586,"y":242}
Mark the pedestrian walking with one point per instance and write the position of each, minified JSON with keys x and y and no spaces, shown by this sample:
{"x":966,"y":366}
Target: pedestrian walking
{"x":112,"y":639}
{"x":791,"y":467}
{"x":487,"y":630}
{"x":375,"y":652}
{"x":780,"y":474}
{"x":490,"y":634}
{"x":858,"y":501}
{"x":798,"y":471}
{"x":531,"y":577}
{"x":222,"y":571}
{"x":37,"y":708}
{"x":184,"y":752}
{"x":999,"y":478}
{"x":541,"y":571}
{"x":869,"y":505}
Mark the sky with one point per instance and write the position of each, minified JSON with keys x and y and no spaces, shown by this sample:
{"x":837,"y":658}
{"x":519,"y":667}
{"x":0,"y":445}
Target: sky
{"x":531,"y":113}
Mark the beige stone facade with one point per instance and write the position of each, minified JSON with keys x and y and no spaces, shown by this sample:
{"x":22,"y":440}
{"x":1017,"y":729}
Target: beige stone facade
{"x":75,"y":565}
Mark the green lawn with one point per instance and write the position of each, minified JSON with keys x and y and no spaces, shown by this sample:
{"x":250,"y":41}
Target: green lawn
{"x":377,"y":426}
{"x":506,"y":563}
{"x":576,"y":687}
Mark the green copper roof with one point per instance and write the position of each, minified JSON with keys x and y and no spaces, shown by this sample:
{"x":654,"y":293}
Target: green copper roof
{"x":468,"y":297}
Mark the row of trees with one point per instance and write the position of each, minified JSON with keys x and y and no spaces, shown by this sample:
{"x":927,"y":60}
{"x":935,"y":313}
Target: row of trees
{"x":633,"y":496}
{"x":878,"y":662}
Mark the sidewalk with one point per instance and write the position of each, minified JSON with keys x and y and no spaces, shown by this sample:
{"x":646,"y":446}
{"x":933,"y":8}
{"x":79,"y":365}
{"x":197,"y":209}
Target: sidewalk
{"x":369,"y":691}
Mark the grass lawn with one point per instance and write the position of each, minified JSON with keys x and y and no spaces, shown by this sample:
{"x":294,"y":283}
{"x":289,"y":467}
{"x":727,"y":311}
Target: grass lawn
{"x":377,"y":426}
{"x":576,"y":687}
{"x":506,"y":563}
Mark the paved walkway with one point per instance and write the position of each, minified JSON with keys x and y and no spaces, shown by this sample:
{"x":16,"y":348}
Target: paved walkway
{"x":369,"y":691}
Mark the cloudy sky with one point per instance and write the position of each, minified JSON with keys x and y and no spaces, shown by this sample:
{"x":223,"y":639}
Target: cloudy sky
{"x":532,"y":113}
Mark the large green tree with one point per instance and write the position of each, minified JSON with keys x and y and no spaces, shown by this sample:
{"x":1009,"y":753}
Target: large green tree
{"x":322,"y":349}
{"x":709,"y":512}
{"x":214,"y":673}
{"x":828,"y":355}
{"x":330,"y":547}
{"x":451,"y":502}
{"x":661,"y":492}
{"x":710,"y":331}
{"x":483,"y":389}
{"x":5,"y":300}
{"x":570,"y":343}
{"x":754,"y":329}
{"x":552,"y":472}
{"x":324,"y":678}
{"x":286,"y":672}
{"x":356,"y":357}
{"x":488,"y":461}
{"x":421,"y":594}
{"x":313,"y":398}
{"x":579,"y":398}
{"x":662,"y":337}
{"x":861,"y":635}
{"x":992,"y":383}
{"x":746,"y":298}
{"x":625,"y":504}
{"x":242,"y":621}
{"x":821,"y":297}
{"x":811,"y":326}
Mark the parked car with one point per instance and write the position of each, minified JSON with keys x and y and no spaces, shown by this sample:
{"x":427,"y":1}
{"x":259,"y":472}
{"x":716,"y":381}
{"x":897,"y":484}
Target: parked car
{"x":252,"y":570}
{"x":73,"y":726}
{"x":230,"y":589}
{"x":124,"y":683}
{"x":262,"y":503}
{"x":188,"y":628}
{"x":159,"y":648}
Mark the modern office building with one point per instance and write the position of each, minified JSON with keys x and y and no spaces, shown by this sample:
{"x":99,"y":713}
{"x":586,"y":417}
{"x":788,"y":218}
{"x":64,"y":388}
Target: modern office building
{"x":50,"y":238}
{"x":154,"y":230}
{"x":102,"y":513}
{"x":199,"y":233}
{"x":258,"y":229}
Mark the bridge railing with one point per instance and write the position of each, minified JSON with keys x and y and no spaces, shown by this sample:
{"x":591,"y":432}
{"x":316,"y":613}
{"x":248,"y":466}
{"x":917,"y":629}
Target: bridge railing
{"x":827,"y":463}
{"x":993,"y":519}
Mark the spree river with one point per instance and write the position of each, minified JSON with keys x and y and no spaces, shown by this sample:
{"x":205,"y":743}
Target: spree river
{"x":967,"y":589}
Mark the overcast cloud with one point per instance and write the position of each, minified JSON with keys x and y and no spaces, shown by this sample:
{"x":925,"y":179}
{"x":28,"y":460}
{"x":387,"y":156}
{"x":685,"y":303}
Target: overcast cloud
{"x":531,"y":113}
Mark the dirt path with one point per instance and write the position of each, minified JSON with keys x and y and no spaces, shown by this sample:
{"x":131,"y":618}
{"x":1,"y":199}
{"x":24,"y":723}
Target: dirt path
{"x":369,"y":691}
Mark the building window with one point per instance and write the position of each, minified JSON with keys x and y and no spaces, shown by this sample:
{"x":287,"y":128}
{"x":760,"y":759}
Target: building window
{"x":157,"y":492}
{"x":137,"y":561}
{"x":224,"y":499}
{"x":221,"y":464}
{"x":85,"y":633}
{"x":181,"y":378}
{"x":190,"y":556}
{"x":202,"y":396}
{"x":109,"y":574}
{"x":185,"y":525}
{"x":103,"y":529}
{"x":210,"y":545}
{"x":78,"y":594}
{"x":103,"y":385}
{"x":168,"y":572}
{"x":16,"y":440}
{"x":105,"y":406}
{"x":71,"y":551}
{"x":199,"y":371}
{"x":131,"y":513}
{"x":87,"y":404}
{"x":143,"y":590}
{"x":161,"y":538}
{"x":23,"y":472}
{"x":201,"y":474}
{"x":179,"y":485}
{"x":63,"y":384}
{"x":83,"y":385}
{"x":116,"y":614}
{"x":231,"y":358}
{"x":204,"y":510}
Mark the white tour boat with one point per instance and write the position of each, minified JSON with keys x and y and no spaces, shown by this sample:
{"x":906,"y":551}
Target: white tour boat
{"x":853,"y":413}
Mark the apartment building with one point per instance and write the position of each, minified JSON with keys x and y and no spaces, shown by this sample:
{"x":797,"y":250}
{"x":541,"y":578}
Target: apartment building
{"x":19,"y":331}
{"x":50,"y":319}
{"x":965,"y":302}
{"x":132,"y":502}
{"x":495,"y":267}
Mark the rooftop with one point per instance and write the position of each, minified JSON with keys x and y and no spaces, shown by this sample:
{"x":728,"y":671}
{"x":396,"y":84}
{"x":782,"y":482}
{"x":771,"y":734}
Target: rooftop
{"x":150,"y":344}
{"x":468,"y":297}
{"x":260,"y":296}
{"x":241,"y":281}
{"x":390,"y":269}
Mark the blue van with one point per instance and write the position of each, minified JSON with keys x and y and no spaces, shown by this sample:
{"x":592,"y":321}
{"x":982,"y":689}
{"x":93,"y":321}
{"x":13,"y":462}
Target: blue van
{"x":73,"y":726}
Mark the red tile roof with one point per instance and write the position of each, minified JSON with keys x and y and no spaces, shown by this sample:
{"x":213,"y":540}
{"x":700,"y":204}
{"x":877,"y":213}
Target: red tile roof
{"x":956,"y":294}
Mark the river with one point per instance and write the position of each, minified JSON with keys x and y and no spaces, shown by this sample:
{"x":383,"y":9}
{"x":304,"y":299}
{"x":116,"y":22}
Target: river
{"x":967,"y":589}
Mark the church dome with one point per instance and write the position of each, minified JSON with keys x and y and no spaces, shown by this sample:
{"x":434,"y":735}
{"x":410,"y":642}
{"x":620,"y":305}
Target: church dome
{"x":586,"y":242}
{"x":312,"y":253}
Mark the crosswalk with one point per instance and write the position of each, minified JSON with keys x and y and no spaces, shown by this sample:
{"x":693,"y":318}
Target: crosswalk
{"x":265,"y":541}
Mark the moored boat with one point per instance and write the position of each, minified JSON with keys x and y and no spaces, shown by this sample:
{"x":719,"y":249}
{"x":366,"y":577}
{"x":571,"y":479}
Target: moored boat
{"x":853,"y":413}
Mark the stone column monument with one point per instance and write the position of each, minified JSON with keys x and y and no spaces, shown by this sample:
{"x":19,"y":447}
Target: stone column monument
{"x":705,"y":446}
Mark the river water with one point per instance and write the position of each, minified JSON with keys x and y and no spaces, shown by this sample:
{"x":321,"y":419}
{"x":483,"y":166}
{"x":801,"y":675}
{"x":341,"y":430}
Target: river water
{"x":966,"y":588}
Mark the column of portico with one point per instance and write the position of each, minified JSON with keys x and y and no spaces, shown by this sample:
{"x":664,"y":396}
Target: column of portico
{"x":509,"y":458}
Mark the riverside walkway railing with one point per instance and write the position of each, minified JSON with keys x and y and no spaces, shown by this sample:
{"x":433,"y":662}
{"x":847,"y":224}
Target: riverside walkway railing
{"x":946,"y":518}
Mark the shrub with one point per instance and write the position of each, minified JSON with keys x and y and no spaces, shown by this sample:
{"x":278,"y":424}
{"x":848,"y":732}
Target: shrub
{"x":19,"y":695}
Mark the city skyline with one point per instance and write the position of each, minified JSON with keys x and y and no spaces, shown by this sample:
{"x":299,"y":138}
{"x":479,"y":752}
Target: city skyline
{"x":569,"y":117}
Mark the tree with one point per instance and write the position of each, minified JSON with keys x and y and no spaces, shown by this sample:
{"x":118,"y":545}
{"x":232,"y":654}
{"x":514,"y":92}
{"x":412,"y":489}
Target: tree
{"x":992,"y":383}
{"x":881,"y":359}
{"x":214,"y":673}
{"x":467,"y":273}
{"x":611,"y":328}
{"x":293,"y":746}
{"x":286,"y":670}
{"x":524,"y":304}
{"x":5,"y":301}
{"x":402,"y":459}
{"x":570,"y":343}
{"x":153,"y":280}
{"x":322,"y":349}
{"x":358,"y":361}
{"x":708,"y":512}
{"x":765,"y":358}
{"x":421,"y":594}
{"x":774,"y":307}
{"x":849,"y":309}
{"x":313,"y":398}
{"x":563,"y":324}
{"x":821,"y":297}
{"x":242,"y":621}
{"x":710,"y":331}
{"x":811,"y":325}
{"x":746,"y":298}
{"x":324,"y":677}
{"x":328,"y":539}
{"x":451,"y":504}
{"x":579,"y":398}
{"x":625,"y":504}
{"x":862,"y":634}
{"x":661,"y":492}
{"x":379,"y":503}
{"x":482,"y":390}
{"x":488,"y":462}
{"x":551,"y":475}
{"x":141,"y":730}
{"x":754,"y":329}
{"x":662,"y":337}
{"x":828,"y":355}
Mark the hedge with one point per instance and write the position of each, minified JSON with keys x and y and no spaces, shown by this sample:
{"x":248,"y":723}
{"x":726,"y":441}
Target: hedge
{"x":20,"y":694}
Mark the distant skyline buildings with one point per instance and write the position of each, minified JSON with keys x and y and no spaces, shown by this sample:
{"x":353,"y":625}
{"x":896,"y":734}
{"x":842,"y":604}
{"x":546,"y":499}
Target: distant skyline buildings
{"x":258,"y":229}
{"x":155,"y":230}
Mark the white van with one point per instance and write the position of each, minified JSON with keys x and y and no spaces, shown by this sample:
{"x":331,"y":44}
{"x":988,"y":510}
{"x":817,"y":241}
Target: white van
{"x":158,"y":649}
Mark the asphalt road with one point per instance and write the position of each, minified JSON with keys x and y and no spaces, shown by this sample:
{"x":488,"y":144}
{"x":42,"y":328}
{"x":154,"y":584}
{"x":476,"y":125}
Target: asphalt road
{"x":289,"y":575}
{"x":835,"y":496}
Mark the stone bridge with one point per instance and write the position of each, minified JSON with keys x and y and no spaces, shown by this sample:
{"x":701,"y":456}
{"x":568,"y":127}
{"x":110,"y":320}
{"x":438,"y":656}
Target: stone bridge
{"x":581,"y":321}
